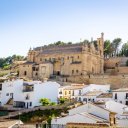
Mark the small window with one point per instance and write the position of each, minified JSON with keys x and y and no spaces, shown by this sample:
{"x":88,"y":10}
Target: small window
{"x":69,"y":92}
{"x":68,"y":57}
{"x":77,"y":71}
{"x":78,"y":57}
{"x":72,"y":71}
{"x":27,"y":97}
{"x":126,"y":95}
{"x":33,"y":68}
{"x":60,"y":92}
{"x":30,"y":104}
{"x":25,"y":73}
{"x":37,"y":69}
{"x":7,"y":94}
{"x":115,"y":96}
{"x":36,"y":74}
{"x":40,"y":59}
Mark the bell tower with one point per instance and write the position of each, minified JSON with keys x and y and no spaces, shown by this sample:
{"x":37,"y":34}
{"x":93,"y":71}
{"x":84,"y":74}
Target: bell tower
{"x":100,"y":42}
{"x":31,"y":55}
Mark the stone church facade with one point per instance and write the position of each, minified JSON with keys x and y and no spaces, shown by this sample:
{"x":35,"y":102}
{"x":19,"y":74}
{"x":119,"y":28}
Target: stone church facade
{"x":64,"y":60}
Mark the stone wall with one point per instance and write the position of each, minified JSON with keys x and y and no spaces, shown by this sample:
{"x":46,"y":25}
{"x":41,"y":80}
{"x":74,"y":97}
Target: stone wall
{"x":123,"y":70}
{"x":116,"y":81}
{"x":111,"y":62}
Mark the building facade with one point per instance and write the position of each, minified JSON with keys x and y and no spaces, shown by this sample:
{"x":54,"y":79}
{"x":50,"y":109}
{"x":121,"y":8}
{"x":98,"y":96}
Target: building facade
{"x":64,"y":60}
{"x":27,"y":94}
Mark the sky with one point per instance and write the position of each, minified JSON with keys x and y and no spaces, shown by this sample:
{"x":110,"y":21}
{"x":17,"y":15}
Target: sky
{"x":33,"y":23}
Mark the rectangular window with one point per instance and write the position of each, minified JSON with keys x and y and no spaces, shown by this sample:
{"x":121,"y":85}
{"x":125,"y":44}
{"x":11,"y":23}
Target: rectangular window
{"x":7,"y":94}
{"x":0,"y":86}
{"x":37,"y":69}
{"x":115,"y":96}
{"x":60,"y":92}
{"x":30,"y":104}
{"x":77,"y":71}
{"x":79,"y":92}
{"x":126,"y":95}
{"x":72,"y":71}
{"x":33,"y":68}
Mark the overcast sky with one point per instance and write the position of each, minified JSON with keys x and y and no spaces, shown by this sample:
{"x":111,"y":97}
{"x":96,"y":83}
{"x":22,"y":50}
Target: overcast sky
{"x":32,"y":23}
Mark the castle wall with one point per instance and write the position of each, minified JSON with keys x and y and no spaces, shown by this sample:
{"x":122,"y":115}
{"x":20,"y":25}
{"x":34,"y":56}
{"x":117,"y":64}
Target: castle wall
{"x":116,"y":81}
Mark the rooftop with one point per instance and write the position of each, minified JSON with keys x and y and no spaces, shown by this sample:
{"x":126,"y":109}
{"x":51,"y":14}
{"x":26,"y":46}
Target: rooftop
{"x":92,"y":93}
{"x":28,"y":63}
{"x":73,"y":87}
{"x":94,"y":117}
{"x":105,"y":95}
{"x":121,"y":90}
{"x":8,"y":123}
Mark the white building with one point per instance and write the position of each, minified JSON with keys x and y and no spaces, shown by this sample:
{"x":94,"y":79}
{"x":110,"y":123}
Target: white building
{"x":87,"y":113}
{"x":89,"y":96}
{"x":26,"y":94}
{"x":96,"y":87}
{"x":121,"y":95}
{"x":119,"y":108}
{"x":83,"y":92}
{"x":79,"y":118}
{"x":90,"y":92}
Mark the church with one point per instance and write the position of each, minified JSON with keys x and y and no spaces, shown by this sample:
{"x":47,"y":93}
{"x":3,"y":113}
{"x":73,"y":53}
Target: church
{"x":64,"y":60}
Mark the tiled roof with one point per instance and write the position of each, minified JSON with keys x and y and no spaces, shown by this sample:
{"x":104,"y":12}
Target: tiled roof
{"x":30,"y":63}
{"x":121,"y":90}
{"x":92,"y":93}
{"x":105,"y":95}
{"x":74,"y":87}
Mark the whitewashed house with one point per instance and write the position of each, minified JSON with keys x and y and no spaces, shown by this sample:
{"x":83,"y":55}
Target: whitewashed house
{"x":96,"y":87}
{"x":119,"y":108}
{"x":87,"y":113}
{"x":82,"y":92}
{"x":121,"y":95}
{"x":121,"y":112}
{"x":26,"y":94}
{"x":90,"y":92}
{"x":89,"y":96}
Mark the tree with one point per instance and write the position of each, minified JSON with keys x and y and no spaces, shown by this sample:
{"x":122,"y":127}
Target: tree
{"x":115,"y":45}
{"x":124,"y":50}
{"x":62,"y":100}
{"x":45,"y":101}
{"x":107,"y":48}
